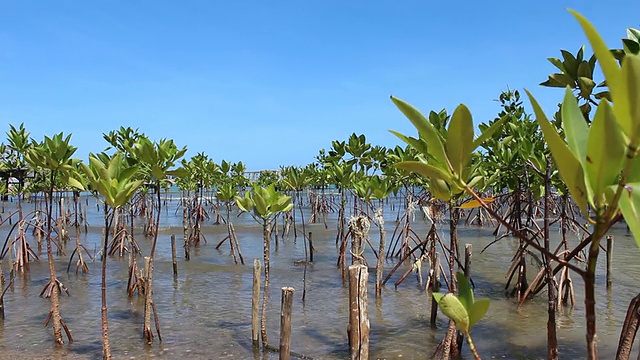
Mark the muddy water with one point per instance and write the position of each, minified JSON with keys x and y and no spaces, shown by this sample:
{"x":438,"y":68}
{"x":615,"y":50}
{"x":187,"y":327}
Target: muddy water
{"x":206,"y":312}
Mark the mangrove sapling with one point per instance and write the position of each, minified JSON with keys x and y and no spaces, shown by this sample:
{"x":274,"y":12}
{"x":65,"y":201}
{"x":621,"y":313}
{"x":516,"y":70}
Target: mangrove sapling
{"x":112,"y":178}
{"x":157,"y":160}
{"x":200,"y":170}
{"x":54,"y":155}
{"x":264,"y":204}
{"x":552,"y":339}
{"x":378,"y":188}
{"x":598,"y":163}
{"x":18,"y":144}
{"x":18,"y":243}
{"x":463,"y":309}
{"x":297,"y":180}
{"x":605,"y":154}
{"x":226,"y":193}
{"x":448,"y":168}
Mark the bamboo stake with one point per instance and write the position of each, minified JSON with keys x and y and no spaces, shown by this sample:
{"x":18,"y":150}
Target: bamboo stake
{"x":310,"y":247}
{"x":173,"y":256}
{"x":435,"y":287}
{"x":255,"y":304}
{"x":358,"y":328}
{"x":609,"y":259}
{"x":468,"y":249}
{"x":285,"y":323}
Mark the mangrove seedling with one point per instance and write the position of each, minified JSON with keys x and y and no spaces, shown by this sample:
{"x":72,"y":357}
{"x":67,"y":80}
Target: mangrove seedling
{"x":264,"y":204}
{"x":54,"y":155}
{"x":112,"y":178}
{"x":463,"y":309}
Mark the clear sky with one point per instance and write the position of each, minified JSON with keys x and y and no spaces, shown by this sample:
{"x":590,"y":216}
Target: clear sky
{"x":271,"y":83}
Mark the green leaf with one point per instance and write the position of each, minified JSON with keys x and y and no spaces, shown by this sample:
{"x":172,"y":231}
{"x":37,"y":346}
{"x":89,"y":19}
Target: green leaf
{"x":179,"y":172}
{"x":586,"y":85}
{"x":454,"y":310}
{"x":562,"y":80}
{"x":459,"y":144}
{"x":465,"y":294}
{"x":551,"y":82}
{"x":605,"y":150}
{"x":575,"y":127}
{"x":630,"y":46}
{"x":438,"y":296}
{"x":259,"y":204}
{"x":634,"y":172}
{"x":245,"y":203}
{"x":487,"y":133}
{"x":417,"y":144}
{"x":585,"y":70}
{"x":631,"y":80}
{"x":425,"y":128}
{"x":440,"y":189}
{"x":478,"y":310}
{"x":611,"y":70}
{"x":557,"y":63}
{"x":75,"y":183}
{"x":630,"y":207}
{"x":424,"y":169}
{"x":570,"y":169}
{"x":288,"y":208}
{"x":570,"y":63}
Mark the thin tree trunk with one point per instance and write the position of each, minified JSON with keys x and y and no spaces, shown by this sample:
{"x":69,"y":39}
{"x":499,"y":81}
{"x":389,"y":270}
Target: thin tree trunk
{"x":106,"y":347}
{"x":590,"y":301}
{"x":266,"y":231}
{"x":148,"y":303}
{"x":383,"y":235}
{"x":450,"y":341}
{"x":552,"y":339}
{"x":306,"y":241}
{"x":53,"y":281}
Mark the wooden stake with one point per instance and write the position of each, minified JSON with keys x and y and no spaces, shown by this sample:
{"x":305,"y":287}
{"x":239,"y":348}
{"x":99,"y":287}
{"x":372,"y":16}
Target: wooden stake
{"x":609,"y":259}
{"x":359,"y":229}
{"x":358,"y":328}
{"x":255,"y":305}
{"x":310,"y":247}
{"x":468,"y":249}
{"x":435,"y":287}
{"x":285,"y":323}
{"x":173,"y":255}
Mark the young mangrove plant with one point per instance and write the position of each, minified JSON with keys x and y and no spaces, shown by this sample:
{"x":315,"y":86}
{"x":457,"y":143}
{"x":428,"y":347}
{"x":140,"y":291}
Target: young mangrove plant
{"x":54,"y":155}
{"x":156,"y":161}
{"x":226,"y":194}
{"x":463,"y":309}
{"x":112,"y":178}
{"x":297,"y":180}
{"x":264,"y":204}
{"x":15,"y":165}
{"x":447,"y":162}
{"x":600,"y":162}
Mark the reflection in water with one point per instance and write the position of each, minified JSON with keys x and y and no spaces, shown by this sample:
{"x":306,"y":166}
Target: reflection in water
{"x":206,"y":312}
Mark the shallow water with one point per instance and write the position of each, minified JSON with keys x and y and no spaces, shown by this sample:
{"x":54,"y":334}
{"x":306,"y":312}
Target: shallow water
{"x":206,"y":312}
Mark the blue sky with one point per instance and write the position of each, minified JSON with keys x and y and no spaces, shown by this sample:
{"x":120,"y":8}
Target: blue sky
{"x":271,"y":83}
